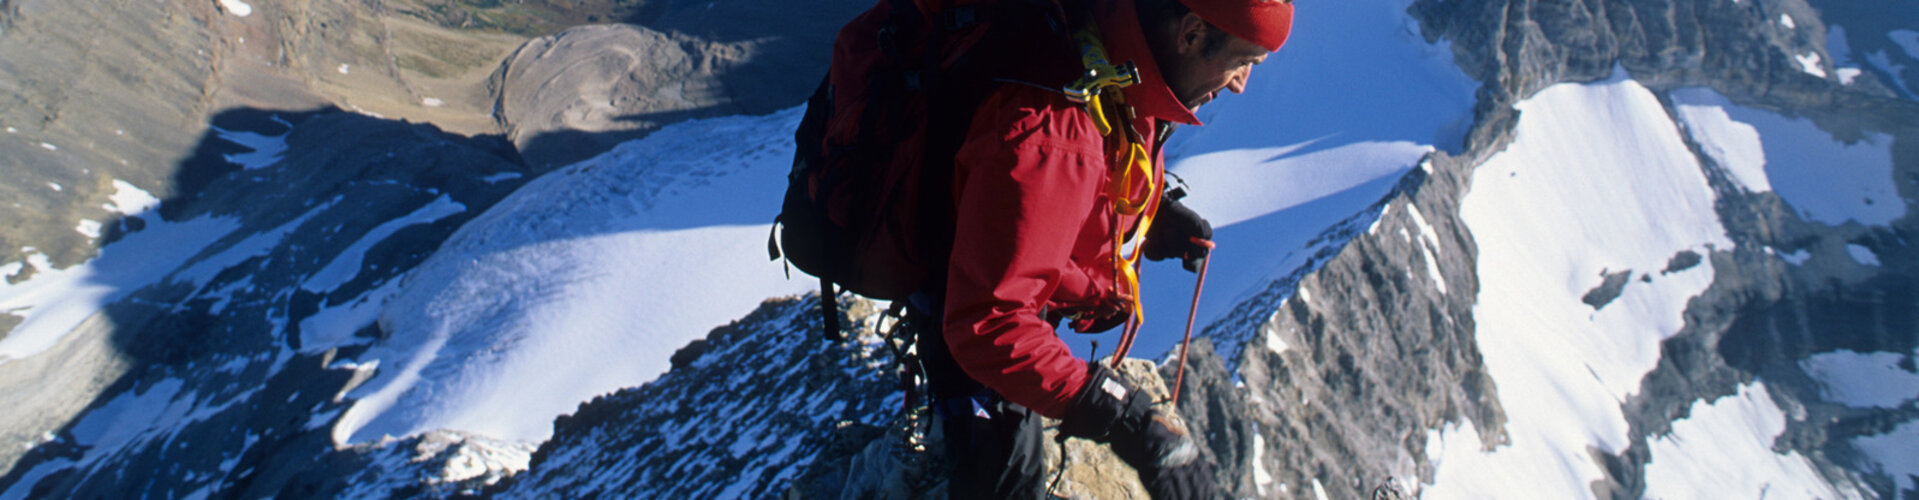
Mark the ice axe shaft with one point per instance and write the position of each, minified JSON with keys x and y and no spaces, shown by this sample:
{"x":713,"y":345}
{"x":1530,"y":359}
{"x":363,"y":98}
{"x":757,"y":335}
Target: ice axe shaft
{"x":1191,"y":314}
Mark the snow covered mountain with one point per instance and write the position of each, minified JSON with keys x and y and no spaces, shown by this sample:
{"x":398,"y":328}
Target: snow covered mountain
{"x":1471,"y":248}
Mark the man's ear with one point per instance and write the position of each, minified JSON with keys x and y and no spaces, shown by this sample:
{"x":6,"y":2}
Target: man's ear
{"x":1190,"y":36}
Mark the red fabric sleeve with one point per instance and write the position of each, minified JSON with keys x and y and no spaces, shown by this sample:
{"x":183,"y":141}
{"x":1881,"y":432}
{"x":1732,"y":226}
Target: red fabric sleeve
{"x":1027,"y":177}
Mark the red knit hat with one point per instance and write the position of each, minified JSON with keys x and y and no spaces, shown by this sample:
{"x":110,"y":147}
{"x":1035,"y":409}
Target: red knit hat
{"x":1264,"y":22}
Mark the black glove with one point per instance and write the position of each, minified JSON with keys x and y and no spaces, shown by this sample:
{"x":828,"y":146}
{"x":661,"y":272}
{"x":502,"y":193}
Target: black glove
{"x":1111,"y":410}
{"x":1173,"y":232}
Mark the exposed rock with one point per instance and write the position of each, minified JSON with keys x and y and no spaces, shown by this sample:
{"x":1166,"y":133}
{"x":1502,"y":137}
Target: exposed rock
{"x":741,"y":420}
{"x":225,"y":343}
{"x":569,"y":96}
{"x":572,"y":95}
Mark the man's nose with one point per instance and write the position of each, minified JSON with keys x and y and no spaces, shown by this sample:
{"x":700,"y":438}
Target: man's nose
{"x":1237,"y":83}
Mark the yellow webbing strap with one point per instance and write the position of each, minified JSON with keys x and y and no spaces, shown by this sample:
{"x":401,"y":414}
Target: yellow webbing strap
{"x":1132,"y":163}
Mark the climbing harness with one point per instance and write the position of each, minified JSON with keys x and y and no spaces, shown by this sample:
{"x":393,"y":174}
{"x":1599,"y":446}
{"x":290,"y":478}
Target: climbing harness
{"x":1132,"y":166}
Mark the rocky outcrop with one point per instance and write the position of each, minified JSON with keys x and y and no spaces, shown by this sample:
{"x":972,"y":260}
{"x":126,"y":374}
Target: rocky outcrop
{"x":741,"y":414}
{"x":1346,"y":366}
{"x":211,"y":355}
{"x":572,"y":95}
{"x":763,"y":407}
{"x":569,"y":96}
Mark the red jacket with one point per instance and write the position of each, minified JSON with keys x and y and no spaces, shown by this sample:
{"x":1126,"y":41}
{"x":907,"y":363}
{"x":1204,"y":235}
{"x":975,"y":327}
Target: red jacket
{"x":1034,"y":229}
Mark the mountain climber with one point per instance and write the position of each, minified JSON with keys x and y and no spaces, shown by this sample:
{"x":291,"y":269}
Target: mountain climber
{"x":1040,"y":207}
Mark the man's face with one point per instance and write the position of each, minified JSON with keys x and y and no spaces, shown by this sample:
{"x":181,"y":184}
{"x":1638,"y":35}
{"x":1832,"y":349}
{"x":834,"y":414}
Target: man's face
{"x":1197,"y":68}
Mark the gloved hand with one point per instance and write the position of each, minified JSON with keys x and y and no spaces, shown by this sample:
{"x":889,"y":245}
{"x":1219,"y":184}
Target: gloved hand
{"x":1173,"y":232}
{"x":1109,"y":313}
{"x":1111,"y":410}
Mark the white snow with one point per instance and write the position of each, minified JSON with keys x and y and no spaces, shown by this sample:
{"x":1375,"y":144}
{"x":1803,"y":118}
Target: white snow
{"x":432,"y":102}
{"x":1724,"y":450}
{"x":1828,"y":181}
{"x":582,"y":282}
{"x":1596,"y":178}
{"x":1274,"y":342}
{"x":502,"y":176}
{"x":56,"y":186}
{"x":57,"y":300}
{"x":237,"y":7}
{"x":1809,"y":63}
{"x":346,"y":265}
{"x":1797,"y":258}
{"x":88,"y":228}
{"x":267,"y":149}
{"x":1848,"y":75}
{"x":1429,"y":247}
{"x":1261,"y":479}
{"x":1863,"y":380}
{"x":1897,"y":453}
{"x":1907,"y":40}
{"x":1296,"y":154}
{"x":345,"y":69}
{"x":49,"y":147}
{"x":1786,"y":20}
{"x":128,"y":199}
{"x":1862,"y":255}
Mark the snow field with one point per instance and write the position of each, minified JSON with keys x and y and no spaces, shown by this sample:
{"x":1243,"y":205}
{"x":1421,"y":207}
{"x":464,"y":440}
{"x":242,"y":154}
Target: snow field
{"x":582,"y":282}
{"x":1826,"y":180}
{"x":1596,"y":180}
{"x":1723,"y":449}
{"x":55,"y":301}
{"x":1863,"y":380}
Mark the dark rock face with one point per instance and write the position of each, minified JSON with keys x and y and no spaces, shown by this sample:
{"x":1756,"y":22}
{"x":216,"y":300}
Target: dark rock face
{"x":215,"y":353}
{"x":1341,"y":371}
{"x":743,"y":419}
{"x":1388,"y":356}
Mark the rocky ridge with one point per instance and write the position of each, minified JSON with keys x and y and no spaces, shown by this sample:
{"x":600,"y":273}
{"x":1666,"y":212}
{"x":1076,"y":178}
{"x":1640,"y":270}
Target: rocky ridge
{"x":1357,"y":342}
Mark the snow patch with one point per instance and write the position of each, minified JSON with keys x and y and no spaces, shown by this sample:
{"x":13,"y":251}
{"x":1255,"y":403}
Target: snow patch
{"x":1274,"y":342}
{"x":1797,"y":257}
{"x":346,"y":265}
{"x":1897,"y":453}
{"x":55,"y":301}
{"x":267,"y":149}
{"x":1786,"y":20}
{"x":88,"y":228}
{"x":1848,"y":74}
{"x":1862,"y":380}
{"x":1724,"y":449}
{"x":1826,"y":180}
{"x":432,"y":102}
{"x":1261,"y":479}
{"x":1809,"y":63}
{"x":1907,"y":40}
{"x":49,"y":147}
{"x":502,"y":176}
{"x":128,"y":199}
{"x":345,"y":69}
{"x":1862,"y":255}
{"x":1603,"y":182}
{"x":237,"y":7}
